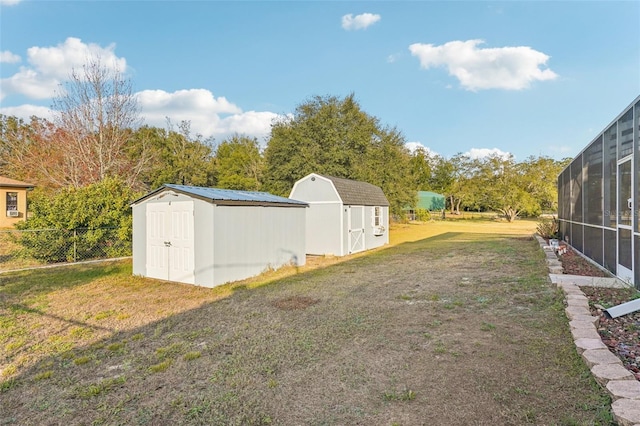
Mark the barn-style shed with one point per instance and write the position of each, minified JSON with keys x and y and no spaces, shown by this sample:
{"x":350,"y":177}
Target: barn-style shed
{"x":210,"y":236}
{"x":344,"y":216}
{"x":427,"y":202}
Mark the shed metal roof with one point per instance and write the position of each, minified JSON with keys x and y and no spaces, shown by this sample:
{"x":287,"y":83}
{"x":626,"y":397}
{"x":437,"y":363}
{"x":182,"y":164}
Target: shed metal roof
{"x":357,"y":193}
{"x":228,"y":196}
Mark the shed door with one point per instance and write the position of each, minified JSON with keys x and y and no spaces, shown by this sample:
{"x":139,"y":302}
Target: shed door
{"x":170,"y":242}
{"x":356,"y":228}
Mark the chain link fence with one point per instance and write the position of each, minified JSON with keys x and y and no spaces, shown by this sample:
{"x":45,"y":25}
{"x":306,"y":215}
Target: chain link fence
{"x":33,"y":247}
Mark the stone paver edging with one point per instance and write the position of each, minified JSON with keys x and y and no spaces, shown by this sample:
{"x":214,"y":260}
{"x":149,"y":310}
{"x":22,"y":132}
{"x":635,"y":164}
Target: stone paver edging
{"x":606,"y":367}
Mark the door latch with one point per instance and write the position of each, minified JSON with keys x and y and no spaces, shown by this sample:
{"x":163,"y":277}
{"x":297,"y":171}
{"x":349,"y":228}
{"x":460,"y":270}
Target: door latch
{"x":630,"y":203}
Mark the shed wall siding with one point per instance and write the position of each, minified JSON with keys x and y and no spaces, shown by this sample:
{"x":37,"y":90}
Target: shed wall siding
{"x":203,"y":224}
{"x":372,"y":240}
{"x":344,"y":230}
{"x":323,"y":229}
{"x":320,"y":189}
{"x":139,"y":244}
{"x":249,"y":240}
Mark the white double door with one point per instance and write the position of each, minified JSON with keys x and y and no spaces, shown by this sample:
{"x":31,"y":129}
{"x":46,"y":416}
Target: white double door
{"x":170,"y":241}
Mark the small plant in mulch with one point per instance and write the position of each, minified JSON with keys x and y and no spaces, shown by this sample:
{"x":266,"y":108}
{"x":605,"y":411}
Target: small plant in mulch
{"x":548,"y":228}
{"x":293,"y":303}
{"x":622,"y":334}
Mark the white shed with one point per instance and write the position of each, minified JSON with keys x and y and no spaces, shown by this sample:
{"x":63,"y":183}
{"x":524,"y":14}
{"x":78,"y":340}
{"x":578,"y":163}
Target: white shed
{"x":344,"y":216}
{"x":210,"y":236}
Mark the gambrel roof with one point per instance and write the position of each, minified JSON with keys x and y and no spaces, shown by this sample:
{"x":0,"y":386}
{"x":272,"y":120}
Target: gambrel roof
{"x":357,"y":193}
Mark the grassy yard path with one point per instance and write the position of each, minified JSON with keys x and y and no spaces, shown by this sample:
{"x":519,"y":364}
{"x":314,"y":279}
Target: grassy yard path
{"x":454,"y":324}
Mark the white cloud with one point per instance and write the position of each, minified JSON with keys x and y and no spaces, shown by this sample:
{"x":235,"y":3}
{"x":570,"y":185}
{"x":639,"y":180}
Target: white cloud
{"x":26,"y":111}
{"x":49,"y":66}
{"x":393,"y":57}
{"x":58,"y":61}
{"x":209,"y":116}
{"x":251,"y":123}
{"x":359,"y":22}
{"x":29,"y":83}
{"x":9,"y":2}
{"x":478,"y":153}
{"x":6,"y":57}
{"x":184,"y":100}
{"x":413,"y":146}
{"x":510,"y":68}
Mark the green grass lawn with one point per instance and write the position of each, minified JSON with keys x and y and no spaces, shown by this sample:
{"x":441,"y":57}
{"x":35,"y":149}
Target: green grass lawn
{"x":453,"y":323}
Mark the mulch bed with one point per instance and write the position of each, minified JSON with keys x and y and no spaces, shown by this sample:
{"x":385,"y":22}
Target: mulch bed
{"x":622,"y":334}
{"x":575,"y":264}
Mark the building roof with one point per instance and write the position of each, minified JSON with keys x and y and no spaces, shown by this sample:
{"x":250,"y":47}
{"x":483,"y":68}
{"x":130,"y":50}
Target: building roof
{"x":428,"y":200}
{"x":228,"y":197}
{"x":5,"y":181}
{"x":357,"y":193}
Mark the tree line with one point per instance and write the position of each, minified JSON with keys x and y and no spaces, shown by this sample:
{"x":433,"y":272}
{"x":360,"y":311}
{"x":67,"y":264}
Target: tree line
{"x":96,"y":140}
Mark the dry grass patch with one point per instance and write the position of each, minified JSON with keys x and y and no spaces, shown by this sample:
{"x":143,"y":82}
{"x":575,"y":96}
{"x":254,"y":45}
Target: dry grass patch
{"x":292,"y":303}
{"x":10,"y":257}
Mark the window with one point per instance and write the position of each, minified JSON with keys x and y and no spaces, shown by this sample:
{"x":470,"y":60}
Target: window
{"x":377,"y":216}
{"x":12,"y":201}
{"x":12,"y":204}
{"x":376,"y":221}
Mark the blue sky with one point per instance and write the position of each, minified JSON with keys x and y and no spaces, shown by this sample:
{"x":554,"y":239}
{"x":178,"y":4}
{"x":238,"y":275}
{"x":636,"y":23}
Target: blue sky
{"x":526,"y":77}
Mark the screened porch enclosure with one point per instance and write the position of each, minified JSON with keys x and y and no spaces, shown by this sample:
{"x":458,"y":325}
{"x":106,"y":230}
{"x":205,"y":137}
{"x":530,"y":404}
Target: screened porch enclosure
{"x":598,"y":198}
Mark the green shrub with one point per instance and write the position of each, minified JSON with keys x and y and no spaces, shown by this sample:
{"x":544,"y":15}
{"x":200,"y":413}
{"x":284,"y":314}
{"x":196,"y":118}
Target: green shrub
{"x":79,"y":223}
{"x":548,"y":228}
{"x":423,"y":215}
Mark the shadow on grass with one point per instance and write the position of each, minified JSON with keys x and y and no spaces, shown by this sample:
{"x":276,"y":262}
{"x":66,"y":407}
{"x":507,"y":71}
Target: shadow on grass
{"x":38,"y":281}
{"x":210,"y":365}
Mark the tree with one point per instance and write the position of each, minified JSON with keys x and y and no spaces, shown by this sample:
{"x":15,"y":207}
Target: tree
{"x":175,"y":156}
{"x":442,"y":176}
{"x":540,"y":179}
{"x":239,"y":163}
{"x":386,"y":164}
{"x":502,"y":180}
{"x":28,"y":152}
{"x":334,"y":136}
{"x":452,"y":178}
{"x":422,"y":165}
{"x":15,"y":135}
{"x":95,"y":111}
